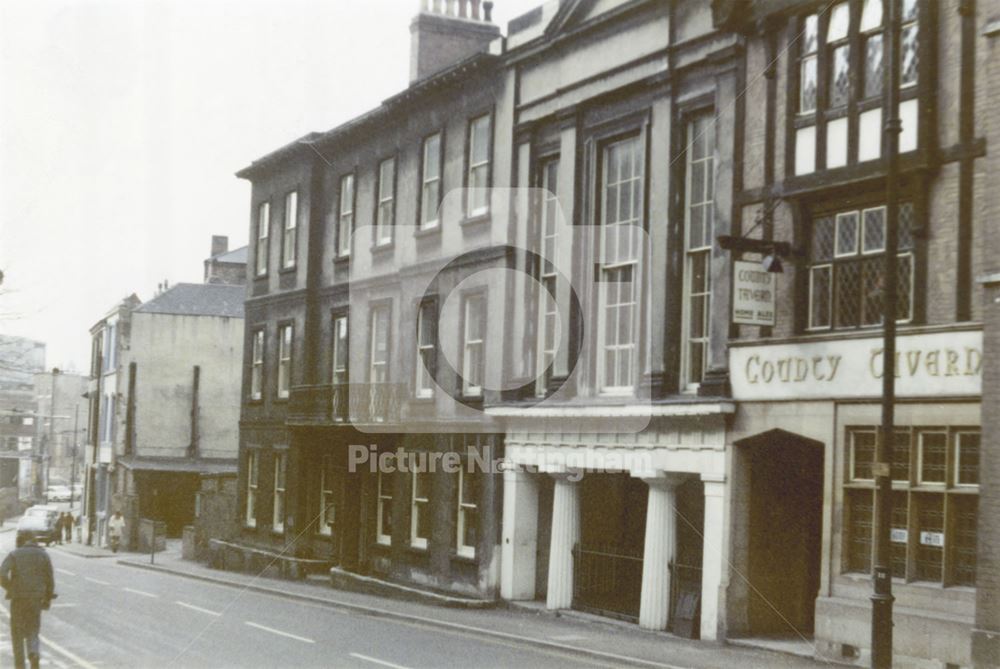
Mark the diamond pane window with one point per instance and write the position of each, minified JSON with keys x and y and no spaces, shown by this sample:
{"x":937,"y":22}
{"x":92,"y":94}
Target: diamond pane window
{"x":906,"y":225}
{"x":822,"y":238}
{"x":840,"y":18}
{"x":908,"y":76}
{"x":847,"y":234}
{"x":820,"y":287}
{"x":873,"y":66}
{"x":871,"y":291}
{"x":807,"y":96}
{"x":840,"y":76}
{"x":874,"y":230}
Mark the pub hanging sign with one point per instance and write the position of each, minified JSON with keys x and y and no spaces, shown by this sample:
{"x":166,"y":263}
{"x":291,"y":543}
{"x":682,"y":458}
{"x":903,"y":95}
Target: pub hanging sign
{"x":754,"y":290}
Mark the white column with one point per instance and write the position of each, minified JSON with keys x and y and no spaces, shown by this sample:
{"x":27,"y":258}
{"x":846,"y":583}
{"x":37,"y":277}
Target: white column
{"x":713,"y":559}
{"x":520,"y":535}
{"x":565,"y":535}
{"x":658,"y":553}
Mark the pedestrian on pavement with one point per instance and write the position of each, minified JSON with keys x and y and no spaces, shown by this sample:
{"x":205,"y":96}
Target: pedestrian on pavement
{"x":26,"y":575}
{"x":116,"y":527}
{"x":67,"y":526}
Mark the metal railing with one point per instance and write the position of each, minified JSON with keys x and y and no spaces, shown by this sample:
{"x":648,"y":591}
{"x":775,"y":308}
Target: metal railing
{"x":347,"y":403}
{"x":608,"y":581}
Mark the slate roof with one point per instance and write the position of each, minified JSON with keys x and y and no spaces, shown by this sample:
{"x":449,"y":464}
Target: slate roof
{"x":236,"y":255}
{"x":198,"y":299}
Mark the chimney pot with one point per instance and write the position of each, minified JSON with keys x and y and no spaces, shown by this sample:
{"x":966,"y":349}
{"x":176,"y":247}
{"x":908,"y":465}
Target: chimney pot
{"x":488,"y":11}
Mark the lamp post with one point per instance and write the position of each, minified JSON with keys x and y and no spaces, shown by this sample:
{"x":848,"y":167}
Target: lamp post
{"x":882,"y":599}
{"x":46,"y":455}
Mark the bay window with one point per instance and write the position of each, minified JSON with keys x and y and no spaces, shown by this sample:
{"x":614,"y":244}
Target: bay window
{"x":620,"y":220}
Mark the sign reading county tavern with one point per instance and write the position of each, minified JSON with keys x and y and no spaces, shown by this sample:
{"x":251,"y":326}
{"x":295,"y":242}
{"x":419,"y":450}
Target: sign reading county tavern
{"x":943,"y":364}
{"x":753,"y":294}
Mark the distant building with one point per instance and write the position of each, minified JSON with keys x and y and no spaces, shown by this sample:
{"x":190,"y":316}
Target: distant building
{"x":61,"y":427}
{"x":168,"y":401}
{"x":20,"y":359}
{"x":225,"y":266}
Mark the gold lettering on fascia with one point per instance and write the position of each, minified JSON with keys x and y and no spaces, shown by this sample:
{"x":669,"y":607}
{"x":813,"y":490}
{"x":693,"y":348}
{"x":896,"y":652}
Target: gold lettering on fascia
{"x":936,"y":362}
{"x":792,"y":369}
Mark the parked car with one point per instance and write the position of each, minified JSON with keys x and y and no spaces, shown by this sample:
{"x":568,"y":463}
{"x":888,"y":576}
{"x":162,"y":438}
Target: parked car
{"x":39,"y":522}
{"x":58,"y":493}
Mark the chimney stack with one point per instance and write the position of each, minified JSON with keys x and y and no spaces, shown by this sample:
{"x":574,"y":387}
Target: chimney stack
{"x":446,"y":32}
{"x":220,"y":244}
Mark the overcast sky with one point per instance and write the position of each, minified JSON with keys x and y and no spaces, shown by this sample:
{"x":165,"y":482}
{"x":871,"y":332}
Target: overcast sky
{"x":123,"y":121}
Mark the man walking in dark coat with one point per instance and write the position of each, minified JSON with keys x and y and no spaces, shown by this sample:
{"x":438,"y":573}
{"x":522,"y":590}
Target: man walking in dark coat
{"x":26,"y":575}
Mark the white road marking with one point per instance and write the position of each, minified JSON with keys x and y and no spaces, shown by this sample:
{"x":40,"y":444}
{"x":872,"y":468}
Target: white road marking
{"x":197,"y":608}
{"x":62,"y":606}
{"x":279,"y":632}
{"x":65,"y":571}
{"x":72,"y":657}
{"x":140,"y":592}
{"x":375,"y":660}
{"x":96,"y":580}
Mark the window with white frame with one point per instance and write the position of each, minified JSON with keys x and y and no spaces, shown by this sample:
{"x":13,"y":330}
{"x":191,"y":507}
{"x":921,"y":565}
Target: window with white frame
{"x":848,"y":125}
{"x":548,"y":309}
{"x":326,"y":518}
{"x":289,"y":238}
{"x":378,"y":367}
{"x":699,"y":233}
{"x":846,"y":265}
{"x":477,"y":182}
{"x":284,"y":360}
{"x":467,"y":520}
{"x":383,"y":512}
{"x":420,"y":512}
{"x":426,"y":349}
{"x":620,"y":220}
{"x":253,"y":481}
{"x":473,"y":345}
{"x":263,"y":232}
{"x":340,"y":350}
{"x":934,"y":503}
{"x":430,"y":182}
{"x":278,"y":508}
{"x":385,"y":211}
{"x":257,"y":365}
{"x":345,"y":221}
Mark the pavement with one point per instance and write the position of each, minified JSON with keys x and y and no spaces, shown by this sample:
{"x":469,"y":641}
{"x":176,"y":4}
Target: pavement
{"x":578,"y":639}
{"x":126,"y":612}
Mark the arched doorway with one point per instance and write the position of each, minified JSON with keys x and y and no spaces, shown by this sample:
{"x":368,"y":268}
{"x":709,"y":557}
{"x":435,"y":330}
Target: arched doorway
{"x":785,"y":532}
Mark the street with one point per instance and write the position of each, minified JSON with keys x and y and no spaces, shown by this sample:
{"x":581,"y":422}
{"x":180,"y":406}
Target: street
{"x":109,"y":615}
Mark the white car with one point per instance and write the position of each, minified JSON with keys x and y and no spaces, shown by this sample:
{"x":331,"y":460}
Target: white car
{"x":59,"y":493}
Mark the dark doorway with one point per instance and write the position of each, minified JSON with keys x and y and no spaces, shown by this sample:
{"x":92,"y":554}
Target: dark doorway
{"x":607,"y":567}
{"x":168,"y":497}
{"x":786,"y":503}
